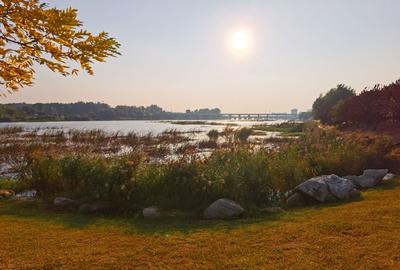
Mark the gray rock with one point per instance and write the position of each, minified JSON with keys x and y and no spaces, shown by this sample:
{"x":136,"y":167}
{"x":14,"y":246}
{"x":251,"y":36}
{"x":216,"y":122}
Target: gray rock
{"x":352,"y":178}
{"x":339,"y":187}
{"x":64,"y":203}
{"x":369,"y":178}
{"x":296,"y":200}
{"x":375,"y":173}
{"x":388,"y":177}
{"x":365,"y":182}
{"x":223,"y":209}
{"x":314,"y":188}
{"x":25,"y":195}
{"x":151,"y":212}
{"x":325,"y":189}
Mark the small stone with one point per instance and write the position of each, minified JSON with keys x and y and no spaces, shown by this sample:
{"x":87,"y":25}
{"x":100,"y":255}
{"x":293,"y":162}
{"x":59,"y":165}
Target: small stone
{"x":151,"y":212}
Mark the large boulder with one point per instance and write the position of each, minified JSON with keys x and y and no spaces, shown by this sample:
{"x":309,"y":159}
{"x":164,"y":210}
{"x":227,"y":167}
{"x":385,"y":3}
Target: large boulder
{"x":370,"y":178}
{"x":340,"y":188}
{"x":323,"y":189}
{"x":6,"y":193}
{"x":64,"y":203}
{"x":223,"y":209}
{"x":314,"y":188}
{"x":376,"y":173}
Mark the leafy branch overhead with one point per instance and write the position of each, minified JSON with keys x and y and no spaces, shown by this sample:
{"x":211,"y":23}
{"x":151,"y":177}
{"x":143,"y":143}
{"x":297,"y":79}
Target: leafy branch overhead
{"x":32,"y":32}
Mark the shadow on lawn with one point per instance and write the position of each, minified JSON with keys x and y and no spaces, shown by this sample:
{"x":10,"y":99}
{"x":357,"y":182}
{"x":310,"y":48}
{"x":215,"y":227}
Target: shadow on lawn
{"x":37,"y":211}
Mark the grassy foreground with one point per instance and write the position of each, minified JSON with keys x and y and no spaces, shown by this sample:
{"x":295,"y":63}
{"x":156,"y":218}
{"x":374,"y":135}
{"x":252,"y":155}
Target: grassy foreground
{"x":363,"y":234}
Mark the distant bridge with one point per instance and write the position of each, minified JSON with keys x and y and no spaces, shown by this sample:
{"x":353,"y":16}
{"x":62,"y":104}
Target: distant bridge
{"x":260,"y":116}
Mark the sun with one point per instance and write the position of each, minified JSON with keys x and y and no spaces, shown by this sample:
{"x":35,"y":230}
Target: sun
{"x":240,"y":40}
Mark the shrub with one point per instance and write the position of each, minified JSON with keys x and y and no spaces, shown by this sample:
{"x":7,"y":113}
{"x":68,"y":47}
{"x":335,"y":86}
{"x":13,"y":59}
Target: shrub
{"x":243,"y":134}
{"x":213,"y":135}
{"x":322,"y":107}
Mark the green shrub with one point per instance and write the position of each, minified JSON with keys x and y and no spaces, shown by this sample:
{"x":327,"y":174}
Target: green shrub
{"x":213,"y":135}
{"x":243,"y":134}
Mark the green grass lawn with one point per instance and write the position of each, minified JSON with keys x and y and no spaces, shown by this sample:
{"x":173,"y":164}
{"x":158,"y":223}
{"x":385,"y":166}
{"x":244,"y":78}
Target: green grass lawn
{"x":364,"y":234}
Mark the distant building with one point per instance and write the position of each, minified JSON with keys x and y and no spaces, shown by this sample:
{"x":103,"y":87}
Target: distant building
{"x":294,"y":111}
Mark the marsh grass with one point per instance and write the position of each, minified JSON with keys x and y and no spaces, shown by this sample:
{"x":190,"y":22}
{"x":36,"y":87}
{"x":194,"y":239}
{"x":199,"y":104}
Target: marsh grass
{"x":285,"y":128}
{"x":240,"y":170}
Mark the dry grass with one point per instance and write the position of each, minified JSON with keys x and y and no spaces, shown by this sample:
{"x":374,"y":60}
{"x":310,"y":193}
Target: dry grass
{"x":360,"y":235}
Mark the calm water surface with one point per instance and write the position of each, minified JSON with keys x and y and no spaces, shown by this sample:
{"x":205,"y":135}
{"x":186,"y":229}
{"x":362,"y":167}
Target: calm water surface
{"x":140,"y":127}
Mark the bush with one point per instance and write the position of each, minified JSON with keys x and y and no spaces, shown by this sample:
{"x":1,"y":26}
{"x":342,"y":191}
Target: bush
{"x":243,"y":134}
{"x":213,"y":135}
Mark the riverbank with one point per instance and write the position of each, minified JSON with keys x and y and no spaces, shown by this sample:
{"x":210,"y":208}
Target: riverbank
{"x":168,"y":172}
{"x":360,"y":235}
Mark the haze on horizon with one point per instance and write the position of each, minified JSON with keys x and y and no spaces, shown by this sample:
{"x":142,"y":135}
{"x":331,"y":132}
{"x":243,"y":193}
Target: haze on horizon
{"x":240,"y":56}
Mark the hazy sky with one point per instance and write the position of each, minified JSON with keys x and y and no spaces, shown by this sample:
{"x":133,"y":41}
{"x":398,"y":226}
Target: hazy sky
{"x":178,"y":54}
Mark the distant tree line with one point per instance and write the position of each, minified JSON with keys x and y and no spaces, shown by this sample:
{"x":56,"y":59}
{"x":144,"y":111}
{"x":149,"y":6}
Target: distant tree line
{"x":372,"y":108}
{"x":86,"y":111}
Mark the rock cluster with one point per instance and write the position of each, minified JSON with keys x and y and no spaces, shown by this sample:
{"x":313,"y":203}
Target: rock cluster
{"x":332,"y":188}
{"x":369,"y":178}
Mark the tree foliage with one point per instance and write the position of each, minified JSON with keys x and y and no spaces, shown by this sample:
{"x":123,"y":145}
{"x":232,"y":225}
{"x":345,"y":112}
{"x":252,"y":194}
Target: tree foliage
{"x":377,"y":106}
{"x":32,"y":32}
{"x":322,"y":107}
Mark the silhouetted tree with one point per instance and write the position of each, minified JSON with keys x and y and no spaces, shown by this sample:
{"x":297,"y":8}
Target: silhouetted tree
{"x":380,"y":105}
{"x":323,"y":105}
